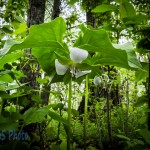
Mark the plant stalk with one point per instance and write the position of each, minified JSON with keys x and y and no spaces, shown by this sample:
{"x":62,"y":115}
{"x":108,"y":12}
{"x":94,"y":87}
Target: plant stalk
{"x":85,"y":111}
{"x":69,"y":115}
{"x":127,"y":105}
{"x":148,"y":93}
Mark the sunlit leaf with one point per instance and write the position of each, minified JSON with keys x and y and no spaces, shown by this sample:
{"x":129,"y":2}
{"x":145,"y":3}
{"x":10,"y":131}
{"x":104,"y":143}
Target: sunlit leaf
{"x":22,"y":28}
{"x":104,"y":8}
{"x":126,"y":9}
{"x":98,"y":41}
{"x":44,"y":35}
{"x":6,"y":78}
{"x":123,"y":137}
{"x":10,"y":58}
{"x":142,"y":74}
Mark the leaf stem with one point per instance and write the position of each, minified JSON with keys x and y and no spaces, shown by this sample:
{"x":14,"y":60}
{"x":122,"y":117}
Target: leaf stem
{"x":69,"y":115}
{"x":85,"y":111}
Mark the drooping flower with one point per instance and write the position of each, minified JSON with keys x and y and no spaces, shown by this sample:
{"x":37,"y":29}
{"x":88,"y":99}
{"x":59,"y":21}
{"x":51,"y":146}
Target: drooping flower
{"x":97,"y":80}
{"x":77,"y":55}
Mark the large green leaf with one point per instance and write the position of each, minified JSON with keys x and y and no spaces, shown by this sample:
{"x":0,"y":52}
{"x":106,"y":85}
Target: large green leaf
{"x":145,"y":134}
{"x":132,"y":60}
{"x":8,"y":123}
{"x":104,"y":8}
{"x":57,"y":117}
{"x":142,"y":74}
{"x":4,"y":95}
{"x":8,"y":44}
{"x":141,"y":101}
{"x":10,"y":58}
{"x":34,"y":115}
{"x":10,"y":87}
{"x":22,"y":28}
{"x":98,"y":41}
{"x":126,"y":10}
{"x":6,"y":78}
{"x":48,"y":35}
{"x":137,"y":19}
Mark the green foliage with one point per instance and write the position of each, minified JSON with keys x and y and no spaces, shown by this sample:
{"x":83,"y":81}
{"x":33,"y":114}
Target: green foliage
{"x":57,"y":117}
{"x":126,"y":9}
{"x":145,"y":134}
{"x":34,"y":115}
{"x":97,"y":41}
{"x":126,"y":99}
{"x":104,"y":8}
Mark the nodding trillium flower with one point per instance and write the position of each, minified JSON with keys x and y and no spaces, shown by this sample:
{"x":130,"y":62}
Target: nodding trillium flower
{"x":77,"y":55}
{"x":97,"y":80}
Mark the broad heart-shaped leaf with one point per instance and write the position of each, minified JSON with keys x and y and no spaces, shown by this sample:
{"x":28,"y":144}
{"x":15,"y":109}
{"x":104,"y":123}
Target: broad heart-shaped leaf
{"x":7,"y":47}
{"x":48,"y":35}
{"x":132,"y":60}
{"x":137,"y":19}
{"x":34,"y":115}
{"x":8,"y":124}
{"x":46,"y":57}
{"x":6,"y":78}
{"x":10,"y":58}
{"x":145,"y":134}
{"x":141,"y":100}
{"x":57,"y":117}
{"x":99,"y":42}
{"x":104,"y":8}
{"x":142,"y":74}
{"x":126,"y":9}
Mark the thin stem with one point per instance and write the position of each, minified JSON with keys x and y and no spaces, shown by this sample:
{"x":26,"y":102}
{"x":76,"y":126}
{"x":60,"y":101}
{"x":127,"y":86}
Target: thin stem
{"x":148,"y":93}
{"x":85,"y":111}
{"x":69,"y":115}
{"x":127,"y":105}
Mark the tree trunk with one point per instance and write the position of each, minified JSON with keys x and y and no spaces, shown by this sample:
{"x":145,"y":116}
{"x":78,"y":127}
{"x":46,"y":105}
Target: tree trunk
{"x":46,"y":87}
{"x":56,"y":9}
{"x":36,"y":12}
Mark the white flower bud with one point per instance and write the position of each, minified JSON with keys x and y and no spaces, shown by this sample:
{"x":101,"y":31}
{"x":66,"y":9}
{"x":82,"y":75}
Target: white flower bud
{"x":97,"y":80}
{"x":60,"y":69}
{"x":78,"y":55}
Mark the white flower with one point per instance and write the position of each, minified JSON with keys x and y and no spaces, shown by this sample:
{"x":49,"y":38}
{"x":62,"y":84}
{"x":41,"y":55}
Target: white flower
{"x":78,"y":55}
{"x":60,"y":69}
{"x":97,"y":80}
